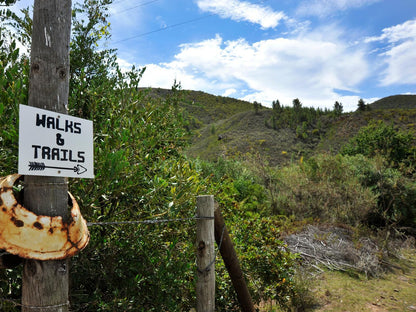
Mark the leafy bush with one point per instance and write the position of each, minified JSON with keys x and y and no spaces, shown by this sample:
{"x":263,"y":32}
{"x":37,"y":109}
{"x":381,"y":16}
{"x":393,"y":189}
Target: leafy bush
{"x":396,"y":193}
{"x":388,"y":176}
{"x":354,"y":190}
{"x":245,"y":185}
{"x":325,"y":188}
{"x":264,"y":258}
{"x":14,"y":78}
{"x":140,"y":174}
{"x":379,"y":138}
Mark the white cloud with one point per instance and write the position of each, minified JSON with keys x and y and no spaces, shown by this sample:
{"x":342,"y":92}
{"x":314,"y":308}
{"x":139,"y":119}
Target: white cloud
{"x":229,"y":92}
{"x":125,"y":66}
{"x":399,"y":57}
{"x":397,"y":33}
{"x":308,"y":67}
{"x":324,"y":8}
{"x":163,"y":75}
{"x":243,"y":11}
{"x":401,"y":61}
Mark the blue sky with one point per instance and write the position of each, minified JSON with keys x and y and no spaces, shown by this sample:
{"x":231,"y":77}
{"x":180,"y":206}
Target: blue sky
{"x":319,"y":51}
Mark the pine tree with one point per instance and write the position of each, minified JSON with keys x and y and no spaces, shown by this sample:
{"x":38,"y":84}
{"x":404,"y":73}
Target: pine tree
{"x":338,"y":108}
{"x":257,"y":106}
{"x":361,"y":105}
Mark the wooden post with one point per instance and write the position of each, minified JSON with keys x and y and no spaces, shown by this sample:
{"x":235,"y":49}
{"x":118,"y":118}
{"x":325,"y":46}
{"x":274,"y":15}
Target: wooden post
{"x":231,"y":263}
{"x":205,"y":287}
{"x":45,"y":283}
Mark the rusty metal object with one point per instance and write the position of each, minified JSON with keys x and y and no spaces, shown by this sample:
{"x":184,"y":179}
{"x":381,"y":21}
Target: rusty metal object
{"x":30,"y":236}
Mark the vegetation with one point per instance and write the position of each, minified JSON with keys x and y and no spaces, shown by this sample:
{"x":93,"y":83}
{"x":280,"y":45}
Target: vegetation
{"x":362,"y":106}
{"x":337,"y":291}
{"x":272,"y":171}
{"x":401,"y":101}
{"x":140,"y":174}
{"x":379,"y":138}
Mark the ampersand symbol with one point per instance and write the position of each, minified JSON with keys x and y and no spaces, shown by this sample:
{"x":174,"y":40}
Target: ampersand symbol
{"x":59,"y":140}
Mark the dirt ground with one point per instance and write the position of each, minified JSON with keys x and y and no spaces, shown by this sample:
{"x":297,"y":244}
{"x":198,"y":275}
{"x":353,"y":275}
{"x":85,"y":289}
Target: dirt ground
{"x":392,"y":291}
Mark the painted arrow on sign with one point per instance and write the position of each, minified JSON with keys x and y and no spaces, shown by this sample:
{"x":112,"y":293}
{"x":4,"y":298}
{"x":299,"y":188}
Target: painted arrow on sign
{"x":39,"y":166}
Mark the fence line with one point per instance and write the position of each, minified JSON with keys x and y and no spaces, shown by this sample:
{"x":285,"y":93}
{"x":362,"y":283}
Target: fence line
{"x":148,"y":221}
{"x":89,"y":224}
{"x":18,"y":304}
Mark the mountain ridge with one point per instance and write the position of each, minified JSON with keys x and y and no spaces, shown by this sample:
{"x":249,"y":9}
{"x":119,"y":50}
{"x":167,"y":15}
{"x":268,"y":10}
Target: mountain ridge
{"x":223,"y":126}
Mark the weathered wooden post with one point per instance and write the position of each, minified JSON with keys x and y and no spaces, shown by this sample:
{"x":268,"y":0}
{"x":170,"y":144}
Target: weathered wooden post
{"x":45,"y":283}
{"x":231,"y":263}
{"x":205,"y":287}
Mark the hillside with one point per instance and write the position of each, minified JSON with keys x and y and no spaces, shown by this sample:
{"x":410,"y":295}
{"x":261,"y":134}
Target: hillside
{"x":395,"y":101}
{"x":242,"y":133}
{"x":203,"y":108}
{"x":208,"y":108}
{"x":225,"y":126}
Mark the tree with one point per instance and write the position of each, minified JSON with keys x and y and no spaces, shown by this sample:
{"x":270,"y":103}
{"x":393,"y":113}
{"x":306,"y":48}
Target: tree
{"x":90,"y":66}
{"x":257,"y":106}
{"x":361,"y":105}
{"x":14,"y":83}
{"x":16,"y":28}
{"x":297,"y":105}
{"x":338,"y":108}
{"x":7,"y":2}
{"x":276,"y":107}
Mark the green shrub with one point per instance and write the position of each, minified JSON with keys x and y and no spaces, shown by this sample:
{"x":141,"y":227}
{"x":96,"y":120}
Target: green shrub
{"x":324,"y":188}
{"x":14,"y":77}
{"x":379,"y":138}
{"x":396,"y":195}
{"x":348,"y":189}
{"x":263,"y":256}
{"x":140,"y":174}
{"x":246,"y":186}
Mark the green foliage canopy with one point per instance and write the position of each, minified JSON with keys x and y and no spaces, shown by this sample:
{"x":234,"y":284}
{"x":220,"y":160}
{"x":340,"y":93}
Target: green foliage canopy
{"x":379,"y":138}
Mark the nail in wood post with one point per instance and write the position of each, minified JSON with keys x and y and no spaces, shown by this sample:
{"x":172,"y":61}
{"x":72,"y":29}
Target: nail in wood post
{"x":45,"y":283}
{"x":205,"y":287}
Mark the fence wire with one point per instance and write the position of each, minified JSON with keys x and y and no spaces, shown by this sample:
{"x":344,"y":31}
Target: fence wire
{"x":154,"y":221}
{"x":104,"y":223}
{"x":30,"y":307}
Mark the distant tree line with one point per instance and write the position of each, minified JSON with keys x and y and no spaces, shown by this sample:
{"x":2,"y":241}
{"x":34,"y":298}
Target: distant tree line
{"x":300,"y":118}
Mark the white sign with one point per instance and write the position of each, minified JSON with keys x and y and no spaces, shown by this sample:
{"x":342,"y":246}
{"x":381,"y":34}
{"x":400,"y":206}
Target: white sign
{"x":54,"y":144}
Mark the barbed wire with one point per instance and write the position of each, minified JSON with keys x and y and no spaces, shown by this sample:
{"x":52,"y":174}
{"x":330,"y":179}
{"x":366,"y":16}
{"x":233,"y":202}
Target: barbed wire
{"x":153,"y":221}
{"x":208,"y":267}
{"x":18,"y":304}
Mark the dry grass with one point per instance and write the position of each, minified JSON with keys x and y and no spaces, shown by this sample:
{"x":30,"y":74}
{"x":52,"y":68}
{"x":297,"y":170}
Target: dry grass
{"x":395,"y":291}
{"x":335,"y":248}
{"x":335,"y":291}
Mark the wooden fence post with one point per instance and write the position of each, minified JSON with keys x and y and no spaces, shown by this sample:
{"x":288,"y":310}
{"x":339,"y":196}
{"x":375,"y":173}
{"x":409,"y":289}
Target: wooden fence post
{"x":231,"y":263}
{"x":45,"y":284}
{"x":205,"y":260}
